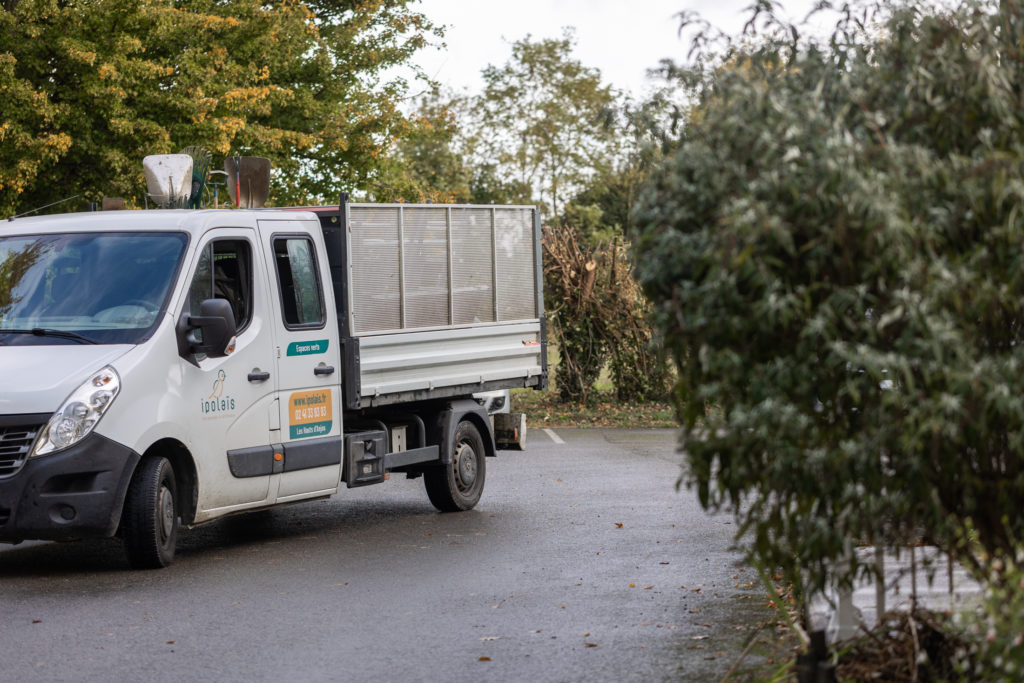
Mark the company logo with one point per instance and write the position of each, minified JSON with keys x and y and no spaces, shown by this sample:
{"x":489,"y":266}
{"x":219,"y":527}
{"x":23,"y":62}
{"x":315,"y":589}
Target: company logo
{"x":217,"y":401}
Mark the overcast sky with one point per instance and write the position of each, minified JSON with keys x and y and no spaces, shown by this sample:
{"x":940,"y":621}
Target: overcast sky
{"x":622,"y":38}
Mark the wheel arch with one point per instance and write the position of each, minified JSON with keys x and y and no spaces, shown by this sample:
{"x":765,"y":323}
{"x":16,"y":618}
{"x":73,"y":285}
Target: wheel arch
{"x":464,"y":411}
{"x":185,"y":475}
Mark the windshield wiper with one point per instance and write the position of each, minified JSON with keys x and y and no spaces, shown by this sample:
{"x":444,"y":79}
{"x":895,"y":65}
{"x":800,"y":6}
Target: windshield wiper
{"x":46,"y":332}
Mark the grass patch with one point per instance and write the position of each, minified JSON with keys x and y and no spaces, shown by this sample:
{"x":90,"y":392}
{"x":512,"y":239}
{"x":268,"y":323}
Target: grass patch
{"x":543,"y":409}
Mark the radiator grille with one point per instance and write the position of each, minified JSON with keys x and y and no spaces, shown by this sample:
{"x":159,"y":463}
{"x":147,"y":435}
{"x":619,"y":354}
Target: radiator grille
{"x":15,"y":443}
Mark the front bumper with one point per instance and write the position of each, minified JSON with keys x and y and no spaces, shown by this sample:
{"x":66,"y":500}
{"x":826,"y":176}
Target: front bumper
{"x":75,"y":493}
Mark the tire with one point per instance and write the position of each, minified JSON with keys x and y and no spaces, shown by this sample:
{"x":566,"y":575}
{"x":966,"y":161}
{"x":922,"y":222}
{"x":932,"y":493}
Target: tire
{"x":149,"y":522}
{"x":458,"y":486}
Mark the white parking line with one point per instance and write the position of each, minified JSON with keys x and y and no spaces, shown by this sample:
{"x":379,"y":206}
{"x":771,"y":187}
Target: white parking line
{"x":554,"y":437}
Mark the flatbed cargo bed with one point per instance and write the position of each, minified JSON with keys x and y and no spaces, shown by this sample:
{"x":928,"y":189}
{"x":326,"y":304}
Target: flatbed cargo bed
{"x":436,"y":301}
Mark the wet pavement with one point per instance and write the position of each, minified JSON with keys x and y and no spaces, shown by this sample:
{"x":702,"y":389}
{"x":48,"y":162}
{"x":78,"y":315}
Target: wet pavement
{"x":582,"y":562}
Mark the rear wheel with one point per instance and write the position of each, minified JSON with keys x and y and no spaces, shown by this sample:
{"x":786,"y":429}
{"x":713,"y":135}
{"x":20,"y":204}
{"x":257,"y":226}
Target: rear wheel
{"x":458,"y":486}
{"x":149,"y":523}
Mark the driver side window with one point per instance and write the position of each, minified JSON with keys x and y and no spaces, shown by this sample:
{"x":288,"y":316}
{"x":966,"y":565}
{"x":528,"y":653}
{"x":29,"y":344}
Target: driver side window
{"x":224,"y":272}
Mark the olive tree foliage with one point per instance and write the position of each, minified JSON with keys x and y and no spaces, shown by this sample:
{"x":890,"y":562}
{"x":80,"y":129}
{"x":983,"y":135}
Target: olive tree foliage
{"x":835,"y":255}
{"x":87,"y":89}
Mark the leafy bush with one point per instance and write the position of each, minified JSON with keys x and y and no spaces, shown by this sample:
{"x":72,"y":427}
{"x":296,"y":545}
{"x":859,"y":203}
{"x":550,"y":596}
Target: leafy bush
{"x":836,"y":259}
{"x":998,"y":651}
{"x":599,"y":316}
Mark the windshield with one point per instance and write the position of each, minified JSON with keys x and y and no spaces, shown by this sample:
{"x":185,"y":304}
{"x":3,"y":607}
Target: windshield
{"x":104,"y":288}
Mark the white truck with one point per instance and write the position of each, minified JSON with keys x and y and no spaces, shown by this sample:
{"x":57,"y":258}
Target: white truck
{"x":170,"y":367}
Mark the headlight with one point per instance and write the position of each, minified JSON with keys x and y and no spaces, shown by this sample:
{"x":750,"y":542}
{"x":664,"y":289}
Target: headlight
{"x":80,"y":412}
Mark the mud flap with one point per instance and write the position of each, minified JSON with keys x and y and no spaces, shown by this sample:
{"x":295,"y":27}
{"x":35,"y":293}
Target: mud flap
{"x":509,"y":431}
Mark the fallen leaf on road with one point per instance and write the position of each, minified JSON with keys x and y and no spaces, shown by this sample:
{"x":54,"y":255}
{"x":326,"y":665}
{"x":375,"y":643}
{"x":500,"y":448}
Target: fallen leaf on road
{"x":170,"y":642}
{"x":618,"y":525}
{"x":632,"y":585}
{"x":663,"y":563}
{"x":699,"y":637}
{"x":487,"y":638}
{"x":37,"y":621}
{"x":484,"y":659}
{"x":590,"y":644}
{"x":647,"y":588}
{"x":561,"y":607}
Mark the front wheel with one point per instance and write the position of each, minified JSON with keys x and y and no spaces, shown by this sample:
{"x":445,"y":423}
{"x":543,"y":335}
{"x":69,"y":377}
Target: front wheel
{"x":458,"y":486}
{"x":149,"y":523}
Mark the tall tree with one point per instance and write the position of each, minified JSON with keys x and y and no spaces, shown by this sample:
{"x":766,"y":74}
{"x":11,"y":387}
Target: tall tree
{"x":542,"y":122}
{"x":89,"y":88}
{"x":427,"y":164}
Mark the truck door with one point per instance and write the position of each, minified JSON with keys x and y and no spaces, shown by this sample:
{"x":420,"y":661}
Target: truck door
{"x":308,"y":360}
{"x":230,"y":402}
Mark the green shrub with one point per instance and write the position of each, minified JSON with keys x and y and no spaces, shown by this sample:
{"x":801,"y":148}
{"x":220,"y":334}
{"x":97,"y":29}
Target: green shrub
{"x":836,"y":260}
{"x":997,"y":652}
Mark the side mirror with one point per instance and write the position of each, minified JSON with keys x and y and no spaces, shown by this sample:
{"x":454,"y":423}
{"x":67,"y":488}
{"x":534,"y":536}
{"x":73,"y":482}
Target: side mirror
{"x":216,"y":330}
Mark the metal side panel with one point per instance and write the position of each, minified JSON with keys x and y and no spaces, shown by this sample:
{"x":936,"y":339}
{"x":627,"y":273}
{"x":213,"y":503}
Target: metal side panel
{"x":426,"y":360}
{"x":433,"y":266}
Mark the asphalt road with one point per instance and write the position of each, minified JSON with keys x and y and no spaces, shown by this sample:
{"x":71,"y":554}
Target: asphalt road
{"x":581,"y":563}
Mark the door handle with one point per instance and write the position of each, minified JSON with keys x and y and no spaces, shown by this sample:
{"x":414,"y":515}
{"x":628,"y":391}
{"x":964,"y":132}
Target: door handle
{"x":323,"y":369}
{"x":258,"y":376}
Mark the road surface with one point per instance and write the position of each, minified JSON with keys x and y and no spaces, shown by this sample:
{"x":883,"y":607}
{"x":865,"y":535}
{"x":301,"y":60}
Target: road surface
{"x":581,"y":563}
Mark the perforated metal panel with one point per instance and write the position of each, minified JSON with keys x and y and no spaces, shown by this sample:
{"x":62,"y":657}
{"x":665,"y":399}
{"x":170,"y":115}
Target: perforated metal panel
{"x":425,"y":266}
{"x":472,"y":266}
{"x":425,"y":263}
{"x":514,"y":255}
{"x":376,"y":304}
